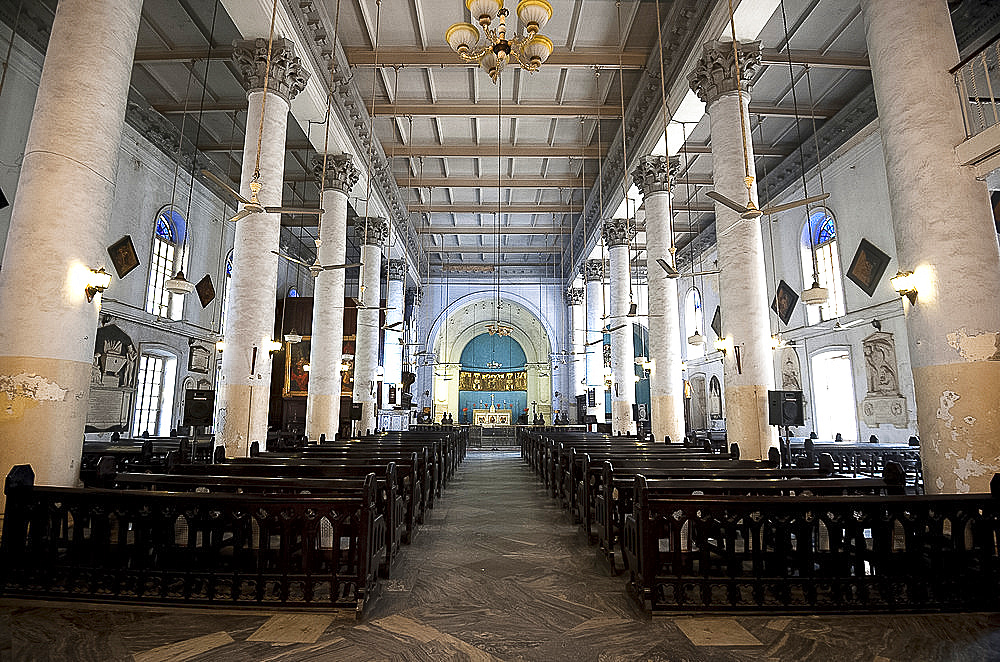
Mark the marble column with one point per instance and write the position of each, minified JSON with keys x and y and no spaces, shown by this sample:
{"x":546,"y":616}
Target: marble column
{"x":245,"y":382}
{"x":617,"y":235}
{"x":392,"y":362}
{"x":578,"y":334}
{"x":327,"y":343}
{"x":58,"y":233}
{"x":654,"y":176}
{"x":747,"y":364}
{"x":371,"y":234}
{"x":593,"y":276}
{"x":945,"y":235}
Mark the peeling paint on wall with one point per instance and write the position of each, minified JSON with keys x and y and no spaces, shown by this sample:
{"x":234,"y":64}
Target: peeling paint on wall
{"x":31,"y":387}
{"x":977,"y":346}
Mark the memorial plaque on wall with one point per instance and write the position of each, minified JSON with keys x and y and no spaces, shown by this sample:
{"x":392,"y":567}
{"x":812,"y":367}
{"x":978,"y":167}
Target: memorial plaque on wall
{"x":591,"y":397}
{"x":392,"y":394}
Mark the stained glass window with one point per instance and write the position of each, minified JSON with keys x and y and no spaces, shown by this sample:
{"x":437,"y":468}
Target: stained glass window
{"x":823,"y":231}
{"x":167,"y":233}
{"x":822,"y":226}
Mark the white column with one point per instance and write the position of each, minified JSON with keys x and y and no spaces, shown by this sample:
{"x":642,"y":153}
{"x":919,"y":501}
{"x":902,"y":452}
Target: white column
{"x":58,"y":233}
{"x":748,"y":365}
{"x":578,"y":336}
{"x":245,"y":382}
{"x":593,"y":275}
{"x":371,"y":234}
{"x":392,"y":361}
{"x":945,"y":235}
{"x":616,"y":237}
{"x":654,"y":175}
{"x":327,"y":343}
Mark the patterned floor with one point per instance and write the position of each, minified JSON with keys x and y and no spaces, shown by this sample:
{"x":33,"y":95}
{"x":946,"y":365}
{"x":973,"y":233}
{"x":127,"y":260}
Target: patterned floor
{"x":497,"y":573}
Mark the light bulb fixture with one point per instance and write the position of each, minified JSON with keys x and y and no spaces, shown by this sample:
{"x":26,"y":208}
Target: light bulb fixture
{"x":640,"y":360}
{"x":493,"y":50}
{"x":905,"y":285}
{"x":723,"y":344}
{"x":273,"y":346}
{"x":179,"y":284}
{"x":345,"y":367}
{"x":648,"y":365}
{"x":220,"y":345}
{"x":97,"y":282}
{"x":306,"y":367}
{"x":815,"y":295}
{"x":777,"y":341}
{"x":696,"y":339}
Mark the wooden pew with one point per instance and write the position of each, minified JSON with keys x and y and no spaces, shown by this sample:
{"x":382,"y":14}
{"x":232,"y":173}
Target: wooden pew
{"x":302,"y":551}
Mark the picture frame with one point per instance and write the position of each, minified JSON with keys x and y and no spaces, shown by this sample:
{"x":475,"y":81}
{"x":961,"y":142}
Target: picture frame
{"x":717,"y":322}
{"x":123,"y":256}
{"x":205,"y":290}
{"x":199,"y":358}
{"x":296,"y":376}
{"x":784,"y":302}
{"x":867,"y":267}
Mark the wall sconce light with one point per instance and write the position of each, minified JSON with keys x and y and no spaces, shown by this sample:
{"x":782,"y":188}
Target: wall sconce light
{"x":640,"y":360}
{"x":97,"y":281}
{"x":345,"y":367}
{"x":722,"y":345}
{"x":905,"y":285}
{"x":647,"y":365}
{"x":777,"y":341}
{"x":220,"y":345}
{"x":306,"y":367}
{"x":273,"y":345}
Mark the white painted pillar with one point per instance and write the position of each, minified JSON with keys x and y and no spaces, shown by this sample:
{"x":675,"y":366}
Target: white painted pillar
{"x":616,"y":237}
{"x":654,"y":175}
{"x":748,"y":364}
{"x":945,"y":235}
{"x":371,"y":234}
{"x":245,"y":382}
{"x":392,"y":361}
{"x":327,"y":343}
{"x":58,"y":233}
{"x":593,"y":276}
{"x":575,"y":298}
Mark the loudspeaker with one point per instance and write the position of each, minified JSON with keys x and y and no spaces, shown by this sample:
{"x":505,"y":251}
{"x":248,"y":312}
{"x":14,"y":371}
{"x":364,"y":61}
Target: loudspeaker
{"x":784,"y":408}
{"x":199,"y":405}
{"x":355,"y":411}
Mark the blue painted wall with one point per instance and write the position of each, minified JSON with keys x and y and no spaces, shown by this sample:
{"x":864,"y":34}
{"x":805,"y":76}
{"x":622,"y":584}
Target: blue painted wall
{"x":482,"y":350}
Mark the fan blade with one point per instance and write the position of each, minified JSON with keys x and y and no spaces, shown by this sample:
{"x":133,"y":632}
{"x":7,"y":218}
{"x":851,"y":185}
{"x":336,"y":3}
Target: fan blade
{"x":292,"y":210}
{"x":243,"y":213}
{"x":392,"y":327}
{"x":327,"y":267}
{"x":593,"y":342}
{"x":615,"y":328}
{"x":671,"y":271}
{"x":292,"y":259}
{"x":718,"y":197}
{"x":797,"y":203}
{"x":226,"y":186}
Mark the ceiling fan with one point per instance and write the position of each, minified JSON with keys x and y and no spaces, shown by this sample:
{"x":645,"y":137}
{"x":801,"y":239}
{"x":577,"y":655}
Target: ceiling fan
{"x":315,"y":268}
{"x":750,"y":210}
{"x":253,"y":205}
{"x":392,"y":327}
{"x":673,"y":273}
{"x":361,"y":306}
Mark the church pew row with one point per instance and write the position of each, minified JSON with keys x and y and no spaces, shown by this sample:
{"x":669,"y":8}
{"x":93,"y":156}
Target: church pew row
{"x":822,"y":553}
{"x":238,"y":549}
{"x":860,"y":458}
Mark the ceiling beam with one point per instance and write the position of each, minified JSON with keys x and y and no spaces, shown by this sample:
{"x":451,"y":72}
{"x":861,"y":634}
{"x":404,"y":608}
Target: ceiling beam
{"x":491,"y":182}
{"x":545,"y":110}
{"x":443,"y":57}
{"x":816,"y":59}
{"x":472,"y":208}
{"x":154,"y":55}
{"x":488,"y":230}
{"x":238,"y":146}
{"x":522,"y":250}
{"x":791,"y":111}
{"x":477,"y":151}
{"x":193,"y":106}
{"x":758,"y":150}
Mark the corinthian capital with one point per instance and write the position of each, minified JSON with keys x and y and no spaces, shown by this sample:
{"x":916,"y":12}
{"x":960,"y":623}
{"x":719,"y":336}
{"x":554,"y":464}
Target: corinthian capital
{"x":286,"y":77}
{"x":341,"y":173}
{"x":574,"y":296}
{"x":715,"y":73}
{"x":617,"y":232}
{"x":372,"y":231}
{"x":397,"y":269}
{"x":655,"y":173}
{"x":593,"y":270}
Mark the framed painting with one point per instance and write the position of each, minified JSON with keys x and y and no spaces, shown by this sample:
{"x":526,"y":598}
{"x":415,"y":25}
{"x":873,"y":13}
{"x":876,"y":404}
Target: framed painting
{"x":123,"y":256}
{"x":784,"y":302}
{"x":717,"y":322}
{"x":205,"y":290}
{"x":297,"y":368}
{"x":867,"y":267}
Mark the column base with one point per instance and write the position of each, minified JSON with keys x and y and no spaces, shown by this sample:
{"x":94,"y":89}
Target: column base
{"x":746,"y":421}
{"x":664,"y":418}
{"x":322,"y":416}
{"x":621,"y":417}
{"x":43,"y":411}
{"x":959,"y":422}
{"x":239,"y":427}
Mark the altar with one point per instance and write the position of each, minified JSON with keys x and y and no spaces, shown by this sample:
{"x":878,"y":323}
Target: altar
{"x":490,"y":417}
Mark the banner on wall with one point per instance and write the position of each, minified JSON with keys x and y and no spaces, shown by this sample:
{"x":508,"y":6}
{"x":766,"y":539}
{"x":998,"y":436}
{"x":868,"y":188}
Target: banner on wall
{"x":492,"y":381}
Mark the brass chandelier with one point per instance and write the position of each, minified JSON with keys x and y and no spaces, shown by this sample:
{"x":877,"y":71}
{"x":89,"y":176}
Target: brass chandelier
{"x":493,"y":50}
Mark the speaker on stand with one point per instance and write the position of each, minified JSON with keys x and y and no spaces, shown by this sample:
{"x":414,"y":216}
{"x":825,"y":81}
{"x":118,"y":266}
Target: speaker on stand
{"x":784,"y":409}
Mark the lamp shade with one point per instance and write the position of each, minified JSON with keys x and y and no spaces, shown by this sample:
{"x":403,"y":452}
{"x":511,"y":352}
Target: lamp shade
{"x":538,"y":49}
{"x":462,"y":36}
{"x":696,"y":339}
{"x":815,"y":295}
{"x":490,"y":64}
{"x":179,"y":284}
{"x":534,"y":14}
{"x":483,"y":11}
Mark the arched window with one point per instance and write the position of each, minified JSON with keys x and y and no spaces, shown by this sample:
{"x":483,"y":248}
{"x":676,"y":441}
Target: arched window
{"x":694,"y":321}
{"x":154,"y":396}
{"x":292,"y":292}
{"x":168,"y":236}
{"x":833,"y":394}
{"x":821,"y":234}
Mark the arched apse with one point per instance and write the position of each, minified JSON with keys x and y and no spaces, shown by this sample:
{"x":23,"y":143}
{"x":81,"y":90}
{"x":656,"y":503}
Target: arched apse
{"x":470,"y":317}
